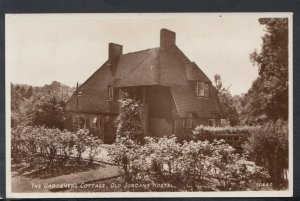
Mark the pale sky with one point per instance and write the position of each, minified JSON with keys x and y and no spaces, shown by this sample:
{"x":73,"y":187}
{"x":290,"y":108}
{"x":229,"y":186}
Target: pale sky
{"x":41,"y":48}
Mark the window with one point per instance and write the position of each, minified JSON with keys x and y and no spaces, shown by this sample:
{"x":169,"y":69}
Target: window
{"x":79,"y":120}
{"x":202,"y":89}
{"x":75,"y":119}
{"x":188,"y":123}
{"x":95,"y":122}
{"x":110,"y":93}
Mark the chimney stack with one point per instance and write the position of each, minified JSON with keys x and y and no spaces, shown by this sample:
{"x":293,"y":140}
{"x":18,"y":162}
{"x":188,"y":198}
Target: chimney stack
{"x":114,"y":50}
{"x":167,"y":38}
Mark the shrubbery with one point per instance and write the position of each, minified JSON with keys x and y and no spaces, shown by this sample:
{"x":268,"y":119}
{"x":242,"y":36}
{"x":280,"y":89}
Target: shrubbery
{"x":33,"y":143}
{"x":130,"y":120}
{"x":192,"y":166}
{"x":268,"y":147}
{"x":199,"y":130}
{"x":235,"y":136}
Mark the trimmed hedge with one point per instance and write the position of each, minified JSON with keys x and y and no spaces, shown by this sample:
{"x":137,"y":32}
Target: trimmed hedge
{"x":199,"y":130}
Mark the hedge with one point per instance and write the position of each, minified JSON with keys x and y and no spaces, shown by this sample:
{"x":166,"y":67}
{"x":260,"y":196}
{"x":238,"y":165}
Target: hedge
{"x":29,"y":143}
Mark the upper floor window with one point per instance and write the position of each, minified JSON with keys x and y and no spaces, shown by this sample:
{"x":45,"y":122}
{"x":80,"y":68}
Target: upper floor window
{"x":79,"y":93}
{"x":202,"y":89}
{"x":110,"y":93}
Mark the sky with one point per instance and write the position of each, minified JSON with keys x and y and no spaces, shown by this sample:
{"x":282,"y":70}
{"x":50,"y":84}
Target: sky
{"x":69,"y":48}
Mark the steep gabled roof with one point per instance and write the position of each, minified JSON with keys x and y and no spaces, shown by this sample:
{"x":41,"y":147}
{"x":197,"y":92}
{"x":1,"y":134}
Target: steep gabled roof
{"x":193,"y":72}
{"x":138,"y":68}
{"x":156,"y":66}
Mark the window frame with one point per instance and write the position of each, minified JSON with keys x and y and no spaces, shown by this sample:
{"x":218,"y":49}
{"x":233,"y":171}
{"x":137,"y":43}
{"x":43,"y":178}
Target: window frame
{"x":110,"y":93}
{"x":202,"y":89}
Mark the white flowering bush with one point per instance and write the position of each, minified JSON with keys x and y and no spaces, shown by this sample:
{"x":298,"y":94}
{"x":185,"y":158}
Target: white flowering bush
{"x":130,"y":120}
{"x":191,"y":166}
{"x":41,"y":145}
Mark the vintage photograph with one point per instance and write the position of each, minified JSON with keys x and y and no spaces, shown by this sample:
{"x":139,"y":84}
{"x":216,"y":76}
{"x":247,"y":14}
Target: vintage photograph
{"x":144,"y":105}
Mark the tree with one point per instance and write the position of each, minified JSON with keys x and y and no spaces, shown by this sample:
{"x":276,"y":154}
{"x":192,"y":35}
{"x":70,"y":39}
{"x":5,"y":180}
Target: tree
{"x":268,"y":146}
{"x":32,"y":106}
{"x":267,"y":99}
{"x":227,"y":101}
{"x":49,"y":110}
{"x":130,"y":120}
{"x":29,"y":92}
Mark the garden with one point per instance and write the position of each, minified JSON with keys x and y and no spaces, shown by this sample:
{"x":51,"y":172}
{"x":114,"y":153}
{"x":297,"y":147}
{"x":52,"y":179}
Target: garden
{"x":248,"y":152}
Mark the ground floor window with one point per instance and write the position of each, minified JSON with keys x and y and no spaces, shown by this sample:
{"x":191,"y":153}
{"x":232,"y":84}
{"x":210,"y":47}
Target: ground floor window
{"x":80,"y":121}
{"x":215,"y":120}
{"x":95,"y":122}
{"x":188,"y":123}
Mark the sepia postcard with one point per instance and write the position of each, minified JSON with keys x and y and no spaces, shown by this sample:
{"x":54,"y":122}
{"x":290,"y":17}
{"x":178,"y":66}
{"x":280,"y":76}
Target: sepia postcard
{"x":149,"y":105}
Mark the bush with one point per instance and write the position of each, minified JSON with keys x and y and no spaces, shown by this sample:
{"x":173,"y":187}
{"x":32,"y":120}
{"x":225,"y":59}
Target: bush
{"x":94,"y":147}
{"x":32,"y":143}
{"x":130,"y":120}
{"x":268,"y":147}
{"x":200,"y":130}
{"x":192,"y":166}
{"x":235,"y":136}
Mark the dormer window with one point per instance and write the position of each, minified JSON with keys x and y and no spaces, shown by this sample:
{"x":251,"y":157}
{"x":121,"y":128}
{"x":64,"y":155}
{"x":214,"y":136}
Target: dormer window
{"x":202,"y":89}
{"x":110,"y":93}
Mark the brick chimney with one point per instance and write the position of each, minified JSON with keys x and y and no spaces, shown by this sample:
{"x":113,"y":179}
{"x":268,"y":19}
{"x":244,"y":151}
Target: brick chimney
{"x":167,"y":38}
{"x":114,"y":50}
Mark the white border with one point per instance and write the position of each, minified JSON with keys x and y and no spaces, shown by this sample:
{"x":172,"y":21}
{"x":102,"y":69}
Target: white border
{"x":287,"y":193}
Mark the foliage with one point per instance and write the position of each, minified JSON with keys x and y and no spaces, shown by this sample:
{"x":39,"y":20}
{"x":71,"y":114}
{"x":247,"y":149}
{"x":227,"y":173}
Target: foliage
{"x":211,"y":133}
{"x":267,"y":99}
{"x":31,"y":106}
{"x":49,"y":110}
{"x":268,"y":147}
{"x":224,"y":130}
{"x":192,"y":166}
{"x":94,"y":147}
{"x":30,"y":143}
{"x":130,"y":120}
{"x":227,"y":101}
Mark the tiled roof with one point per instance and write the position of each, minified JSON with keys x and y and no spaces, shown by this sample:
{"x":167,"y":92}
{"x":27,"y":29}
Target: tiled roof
{"x":138,"y":68}
{"x":157,"y":66}
{"x":193,"y":72}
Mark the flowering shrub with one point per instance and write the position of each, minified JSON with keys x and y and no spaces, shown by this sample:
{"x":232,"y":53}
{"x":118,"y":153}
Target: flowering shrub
{"x":268,"y":147}
{"x":192,"y":166}
{"x":30,"y":143}
{"x":130,"y":120}
{"x":94,"y":147}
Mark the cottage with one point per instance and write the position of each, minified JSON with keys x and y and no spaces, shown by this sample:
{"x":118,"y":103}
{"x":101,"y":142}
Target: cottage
{"x":176,"y":94}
